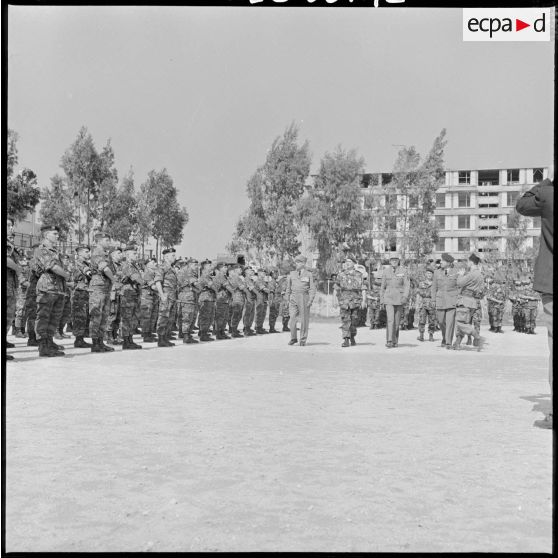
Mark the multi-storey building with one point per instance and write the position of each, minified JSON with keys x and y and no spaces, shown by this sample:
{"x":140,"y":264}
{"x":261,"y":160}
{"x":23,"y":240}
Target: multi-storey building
{"x":472,"y":209}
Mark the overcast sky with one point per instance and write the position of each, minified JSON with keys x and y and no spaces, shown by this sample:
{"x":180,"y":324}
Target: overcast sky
{"x":204,"y":91}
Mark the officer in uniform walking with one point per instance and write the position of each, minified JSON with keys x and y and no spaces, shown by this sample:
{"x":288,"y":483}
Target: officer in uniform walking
{"x":300,"y":292}
{"x":166,"y":283}
{"x":80,"y":296}
{"x":50,"y":291}
{"x":444,"y":295}
{"x":350,"y":290}
{"x":102,"y":276}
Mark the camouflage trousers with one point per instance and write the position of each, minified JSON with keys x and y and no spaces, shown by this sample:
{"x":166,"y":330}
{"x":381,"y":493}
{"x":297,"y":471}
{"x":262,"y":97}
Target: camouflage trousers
{"x":248,"y":316}
{"x":261,"y":311}
{"x":20,"y":309}
{"x":99,"y":308}
{"x":188,"y":312}
{"x":530,"y":318}
{"x":221,"y":315}
{"x":236,"y":315}
{"x":80,"y":312}
{"x":165,"y":319}
{"x":149,"y":308}
{"x":274,"y":308}
{"x":49,"y":311}
{"x":207,"y":316}
{"x":463,"y":323}
{"x":404,"y":318}
{"x":495,"y":314}
{"x":284,"y":311}
{"x":427,"y":313}
{"x":30,"y":311}
{"x":373,"y":313}
{"x":349,"y":321}
{"x":114,"y":314}
{"x":10,"y":308}
{"x":66,"y":312}
{"x":476,"y":317}
{"x":128,"y":312}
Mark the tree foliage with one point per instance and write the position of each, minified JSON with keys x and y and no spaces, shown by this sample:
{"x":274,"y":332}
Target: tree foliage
{"x":121,"y":216}
{"x":22,"y":194}
{"x":57,"y":207}
{"x":332,"y":209}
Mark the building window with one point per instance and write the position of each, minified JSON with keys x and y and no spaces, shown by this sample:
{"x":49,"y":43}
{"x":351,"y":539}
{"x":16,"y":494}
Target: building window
{"x":489,"y":177}
{"x":390,"y":201}
{"x":463,"y":199}
{"x":537,"y":175}
{"x":441,"y":221}
{"x":440,"y":245}
{"x":440,"y":200}
{"x":513,"y":176}
{"x":464,"y":177}
{"x":386,"y":178}
{"x":511,"y":198}
{"x":464,"y":222}
{"x":391,"y":223}
{"x":463,"y":244}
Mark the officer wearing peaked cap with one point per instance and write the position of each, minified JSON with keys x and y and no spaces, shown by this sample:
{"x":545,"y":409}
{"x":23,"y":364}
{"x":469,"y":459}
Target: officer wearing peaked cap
{"x":300,"y":292}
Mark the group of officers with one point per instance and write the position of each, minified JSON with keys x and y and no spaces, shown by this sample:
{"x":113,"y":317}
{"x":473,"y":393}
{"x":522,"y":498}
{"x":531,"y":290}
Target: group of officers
{"x":109,"y":295}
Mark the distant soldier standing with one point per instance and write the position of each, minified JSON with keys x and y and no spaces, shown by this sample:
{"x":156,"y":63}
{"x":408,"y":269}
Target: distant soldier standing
{"x":50,"y":291}
{"x":102,"y":276}
{"x":12,"y":269}
{"x":275,"y":298}
{"x":250,"y":302}
{"x":223,"y":294}
{"x":496,"y":299}
{"x":237,"y":301}
{"x":187,"y":293}
{"x":206,"y":301}
{"x":425,"y":306}
{"x":112,"y":333}
{"x":531,"y":298}
{"x":166,"y":283}
{"x":373,"y":300}
{"x":67,"y":310}
{"x":149,"y":307}
{"x":132,"y":282}
{"x":284,"y":308}
{"x":350,"y":290}
{"x":30,"y":316}
{"x":262,"y":293}
{"x":80,"y":296}
{"x":23,"y":284}
{"x":300,"y":291}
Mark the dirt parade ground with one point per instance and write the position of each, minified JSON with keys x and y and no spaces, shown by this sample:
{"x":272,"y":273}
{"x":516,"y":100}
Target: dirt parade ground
{"x":253,"y":445}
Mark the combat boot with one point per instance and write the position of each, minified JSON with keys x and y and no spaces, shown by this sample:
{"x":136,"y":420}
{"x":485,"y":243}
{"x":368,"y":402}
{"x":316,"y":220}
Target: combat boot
{"x":19,"y":333}
{"x":149,"y":339}
{"x":206,"y":337}
{"x":353,"y":342}
{"x":189,"y":339}
{"x":129,"y":345}
{"x":9,"y":357}
{"x":430,"y":337}
{"x":286,"y":324}
{"x":236,"y":334}
{"x":32,"y":341}
{"x":96,"y":347}
{"x":80,"y":343}
{"x":53,"y":345}
{"x":105,"y":348}
{"x":421,"y":336}
{"x":164,"y":343}
{"x":499,"y":329}
{"x":9,"y":345}
{"x":261,"y":331}
{"x":45,"y":350}
{"x":272,"y":330}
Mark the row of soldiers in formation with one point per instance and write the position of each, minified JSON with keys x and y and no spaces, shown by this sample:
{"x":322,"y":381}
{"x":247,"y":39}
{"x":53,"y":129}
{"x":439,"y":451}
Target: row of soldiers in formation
{"x":107,"y":294}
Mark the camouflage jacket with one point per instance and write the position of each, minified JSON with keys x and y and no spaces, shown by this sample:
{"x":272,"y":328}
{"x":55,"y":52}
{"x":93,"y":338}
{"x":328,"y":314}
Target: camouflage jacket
{"x":49,"y":282}
{"x":350,"y":286}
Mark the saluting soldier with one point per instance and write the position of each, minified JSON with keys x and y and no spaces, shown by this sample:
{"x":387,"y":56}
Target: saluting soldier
{"x":102,"y":276}
{"x":50,"y":291}
{"x":444,"y":295}
{"x":149,"y":302}
{"x":187,"y":293}
{"x":350,"y":290}
{"x":426,"y":306}
{"x":132,"y":282}
{"x":80,"y":296}
{"x":300,"y":292}
{"x":236,"y":282}
{"x":166,"y":283}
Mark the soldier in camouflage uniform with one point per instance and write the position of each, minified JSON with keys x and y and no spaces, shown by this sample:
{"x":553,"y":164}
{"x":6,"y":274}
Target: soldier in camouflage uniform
{"x":30,"y":311}
{"x":223,"y":292}
{"x":206,"y":300}
{"x":284,"y":308}
{"x":236,"y":281}
{"x":166,"y":282}
{"x":12,"y":271}
{"x":112,"y":333}
{"x":250,"y":301}
{"x":132,"y":281}
{"x":81,"y":277}
{"x":426,"y":306}
{"x":67,"y":310}
{"x":23,"y":280}
{"x":517,"y":305}
{"x":373,"y":300}
{"x":188,"y":287}
{"x":262,"y":293}
{"x":149,"y":300}
{"x":350,"y":290}
{"x":50,"y":292}
{"x":275,"y":298}
{"x":176,"y":319}
{"x":496,"y":298}
{"x":531,"y":298}
{"x":102,"y":275}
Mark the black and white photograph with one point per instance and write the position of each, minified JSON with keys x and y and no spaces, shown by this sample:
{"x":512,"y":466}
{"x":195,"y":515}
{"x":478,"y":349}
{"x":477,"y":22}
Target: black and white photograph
{"x":278,"y":278}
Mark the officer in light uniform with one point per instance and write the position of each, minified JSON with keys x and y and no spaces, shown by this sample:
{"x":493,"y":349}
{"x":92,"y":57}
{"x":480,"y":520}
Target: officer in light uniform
{"x":300,"y":292}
